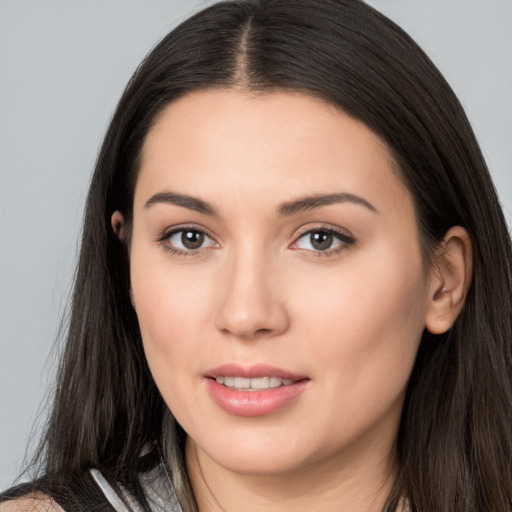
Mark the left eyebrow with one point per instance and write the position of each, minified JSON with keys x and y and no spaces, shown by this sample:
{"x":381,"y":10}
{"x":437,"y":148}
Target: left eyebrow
{"x":317,"y":201}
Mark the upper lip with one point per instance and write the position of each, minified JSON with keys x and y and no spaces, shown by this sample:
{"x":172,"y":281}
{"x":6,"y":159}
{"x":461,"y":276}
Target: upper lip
{"x":251,"y":372}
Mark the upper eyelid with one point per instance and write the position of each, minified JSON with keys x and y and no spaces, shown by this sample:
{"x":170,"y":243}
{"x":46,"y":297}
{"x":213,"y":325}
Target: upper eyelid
{"x":324,"y":227}
{"x":166,"y":233}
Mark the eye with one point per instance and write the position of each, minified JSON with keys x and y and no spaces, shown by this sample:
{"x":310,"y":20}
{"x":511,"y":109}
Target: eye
{"x":323,"y":240}
{"x":187,"y":240}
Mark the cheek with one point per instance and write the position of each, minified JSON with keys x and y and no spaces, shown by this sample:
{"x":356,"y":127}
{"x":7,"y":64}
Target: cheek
{"x":380,"y":290}
{"x":364,"y":326}
{"x":169,"y":315}
{"x":171,"y":308}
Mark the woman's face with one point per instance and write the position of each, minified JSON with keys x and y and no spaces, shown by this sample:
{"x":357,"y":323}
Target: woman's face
{"x":274,"y":247}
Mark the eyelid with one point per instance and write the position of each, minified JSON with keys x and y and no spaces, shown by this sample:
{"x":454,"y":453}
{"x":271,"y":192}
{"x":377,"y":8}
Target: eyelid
{"x":164,"y":238}
{"x":345,"y":237}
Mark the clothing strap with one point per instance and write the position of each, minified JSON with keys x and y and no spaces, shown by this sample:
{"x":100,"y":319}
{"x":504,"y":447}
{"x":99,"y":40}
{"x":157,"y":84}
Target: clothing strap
{"x":157,"y":487}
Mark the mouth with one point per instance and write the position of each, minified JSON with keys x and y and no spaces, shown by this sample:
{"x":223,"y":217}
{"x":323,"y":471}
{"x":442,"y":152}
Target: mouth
{"x":256,"y":390}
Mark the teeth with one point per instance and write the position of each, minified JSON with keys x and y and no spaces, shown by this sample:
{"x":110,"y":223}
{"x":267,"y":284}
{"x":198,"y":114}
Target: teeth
{"x":242,"y":383}
{"x":257,"y":383}
{"x":275,"y":382}
{"x":229,"y":382}
{"x":261,"y":383}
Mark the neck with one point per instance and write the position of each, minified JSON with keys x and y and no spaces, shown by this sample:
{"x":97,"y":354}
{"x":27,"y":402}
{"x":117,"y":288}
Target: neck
{"x":346,"y":481}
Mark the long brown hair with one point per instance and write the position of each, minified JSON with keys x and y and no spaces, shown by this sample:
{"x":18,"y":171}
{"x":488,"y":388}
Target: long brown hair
{"x":454,"y":445}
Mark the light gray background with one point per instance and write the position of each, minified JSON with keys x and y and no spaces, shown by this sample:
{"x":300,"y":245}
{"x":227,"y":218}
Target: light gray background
{"x":63,"y":66}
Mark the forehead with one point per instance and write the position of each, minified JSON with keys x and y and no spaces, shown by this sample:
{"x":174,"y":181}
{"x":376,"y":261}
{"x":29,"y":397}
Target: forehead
{"x":273,"y":144}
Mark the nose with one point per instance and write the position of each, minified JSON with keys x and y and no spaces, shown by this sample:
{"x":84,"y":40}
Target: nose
{"x":251,"y":304}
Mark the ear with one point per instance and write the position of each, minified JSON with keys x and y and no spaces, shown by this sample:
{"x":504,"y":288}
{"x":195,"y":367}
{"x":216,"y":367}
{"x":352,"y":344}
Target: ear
{"x":117,"y":223}
{"x":118,"y":226}
{"x":449,"y":280}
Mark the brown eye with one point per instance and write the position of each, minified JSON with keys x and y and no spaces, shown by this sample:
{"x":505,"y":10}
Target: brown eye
{"x":192,"y":239}
{"x":321,"y":240}
{"x":187,"y":240}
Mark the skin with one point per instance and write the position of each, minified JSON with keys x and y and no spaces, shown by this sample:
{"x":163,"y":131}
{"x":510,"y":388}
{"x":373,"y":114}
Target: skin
{"x":350,"y":318}
{"x":33,"y":503}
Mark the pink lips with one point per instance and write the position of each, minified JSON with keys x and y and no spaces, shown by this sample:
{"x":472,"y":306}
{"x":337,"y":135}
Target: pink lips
{"x":257,"y":402}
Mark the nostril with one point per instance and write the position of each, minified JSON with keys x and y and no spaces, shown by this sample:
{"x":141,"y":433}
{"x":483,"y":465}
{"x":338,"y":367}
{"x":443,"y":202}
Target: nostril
{"x":263,"y":331}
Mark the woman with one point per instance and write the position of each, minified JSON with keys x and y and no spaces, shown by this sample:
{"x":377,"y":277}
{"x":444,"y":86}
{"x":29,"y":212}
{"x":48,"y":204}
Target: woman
{"x":294,"y":285}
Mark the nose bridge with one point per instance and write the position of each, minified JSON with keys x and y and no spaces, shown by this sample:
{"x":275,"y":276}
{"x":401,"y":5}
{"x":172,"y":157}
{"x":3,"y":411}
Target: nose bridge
{"x":251,"y":304}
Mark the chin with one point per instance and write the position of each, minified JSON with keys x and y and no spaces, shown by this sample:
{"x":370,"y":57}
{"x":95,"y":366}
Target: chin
{"x":257,"y":454}
{"x":262,"y":464}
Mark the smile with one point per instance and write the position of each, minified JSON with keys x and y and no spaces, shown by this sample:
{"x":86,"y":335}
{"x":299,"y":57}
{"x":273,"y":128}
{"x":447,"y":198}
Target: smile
{"x":255,"y":390}
{"x":256,"y":384}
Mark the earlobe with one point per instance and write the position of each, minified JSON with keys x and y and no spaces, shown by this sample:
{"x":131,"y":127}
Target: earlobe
{"x":118,"y":224}
{"x":450,"y":279}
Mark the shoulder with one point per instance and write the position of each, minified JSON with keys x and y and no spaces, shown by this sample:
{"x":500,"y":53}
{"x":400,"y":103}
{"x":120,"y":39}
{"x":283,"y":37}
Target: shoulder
{"x":31,"y":503}
{"x":77,"y":493}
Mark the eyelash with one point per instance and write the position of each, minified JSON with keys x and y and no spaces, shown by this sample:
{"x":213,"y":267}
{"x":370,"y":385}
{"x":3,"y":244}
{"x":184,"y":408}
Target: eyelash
{"x":166,"y":236}
{"x":345,"y":239}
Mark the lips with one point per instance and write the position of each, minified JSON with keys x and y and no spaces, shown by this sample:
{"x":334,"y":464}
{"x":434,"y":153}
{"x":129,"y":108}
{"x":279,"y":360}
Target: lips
{"x":255,"y":390}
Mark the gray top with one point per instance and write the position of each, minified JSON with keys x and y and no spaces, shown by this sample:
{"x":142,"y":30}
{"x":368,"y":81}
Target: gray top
{"x":157,"y":487}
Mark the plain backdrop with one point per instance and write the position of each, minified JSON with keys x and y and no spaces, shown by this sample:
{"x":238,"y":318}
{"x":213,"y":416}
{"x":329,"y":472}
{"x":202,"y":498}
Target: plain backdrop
{"x":63,"y":66}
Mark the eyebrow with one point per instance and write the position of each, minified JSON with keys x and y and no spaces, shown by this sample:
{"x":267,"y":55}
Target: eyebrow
{"x":317,"y":201}
{"x":286,"y":209}
{"x":192,"y":203}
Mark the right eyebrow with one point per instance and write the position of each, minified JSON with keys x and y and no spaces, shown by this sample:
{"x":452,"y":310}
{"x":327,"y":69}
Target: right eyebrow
{"x":192,"y":203}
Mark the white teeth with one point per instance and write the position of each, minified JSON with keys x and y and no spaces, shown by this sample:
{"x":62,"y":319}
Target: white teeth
{"x":229,"y":382}
{"x":260,"y":383}
{"x":257,"y":383}
{"x":275,"y":382}
{"x":242,"y":383}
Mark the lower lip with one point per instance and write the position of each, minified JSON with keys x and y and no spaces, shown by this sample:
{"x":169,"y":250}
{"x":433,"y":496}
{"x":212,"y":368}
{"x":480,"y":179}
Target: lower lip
{"x":254,"y":403}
